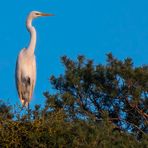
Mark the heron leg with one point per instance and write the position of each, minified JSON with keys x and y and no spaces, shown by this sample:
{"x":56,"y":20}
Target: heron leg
{"x":28,"y":106}
{"x":28,"y":111}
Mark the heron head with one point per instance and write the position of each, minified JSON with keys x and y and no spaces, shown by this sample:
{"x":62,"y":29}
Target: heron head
{"x":35,"y":14}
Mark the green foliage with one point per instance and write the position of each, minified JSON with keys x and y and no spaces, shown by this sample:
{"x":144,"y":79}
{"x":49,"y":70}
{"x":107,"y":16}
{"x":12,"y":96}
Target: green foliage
{"x":117,"y":87}
{"x":93,"y":106}
{"x":53,"y":130}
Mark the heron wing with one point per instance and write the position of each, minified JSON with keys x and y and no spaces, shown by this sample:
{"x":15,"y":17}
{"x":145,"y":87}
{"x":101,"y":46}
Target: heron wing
{"x":33,"y":80}
{"x":25,"y":77}
{"x":18,"y":79}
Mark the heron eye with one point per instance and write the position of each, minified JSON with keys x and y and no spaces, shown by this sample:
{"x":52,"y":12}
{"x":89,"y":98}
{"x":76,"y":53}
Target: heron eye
{"x":37,"y":13}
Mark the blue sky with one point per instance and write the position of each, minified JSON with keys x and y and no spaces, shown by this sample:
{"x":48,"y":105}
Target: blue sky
{"x":89,"y":27}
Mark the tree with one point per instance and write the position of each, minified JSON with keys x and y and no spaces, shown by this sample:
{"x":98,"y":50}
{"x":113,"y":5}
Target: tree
{"x":86,"y":90}
{"x":93,"y":106}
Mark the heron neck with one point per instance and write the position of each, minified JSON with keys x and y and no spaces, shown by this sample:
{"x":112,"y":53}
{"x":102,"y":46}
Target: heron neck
{"x":32,"y":32}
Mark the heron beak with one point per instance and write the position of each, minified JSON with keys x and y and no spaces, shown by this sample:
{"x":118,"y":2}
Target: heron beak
{"x":46,"y":14}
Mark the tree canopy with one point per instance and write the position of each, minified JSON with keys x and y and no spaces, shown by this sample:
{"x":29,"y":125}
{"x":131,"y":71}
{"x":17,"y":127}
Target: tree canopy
{"x":94,"y":105}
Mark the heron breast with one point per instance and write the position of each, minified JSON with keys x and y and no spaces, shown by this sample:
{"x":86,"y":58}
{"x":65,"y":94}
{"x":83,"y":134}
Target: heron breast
{"x":27,"y":67}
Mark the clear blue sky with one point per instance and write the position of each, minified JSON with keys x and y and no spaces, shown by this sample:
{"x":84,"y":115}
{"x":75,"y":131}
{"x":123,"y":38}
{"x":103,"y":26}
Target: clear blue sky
{"x":89,"y":27}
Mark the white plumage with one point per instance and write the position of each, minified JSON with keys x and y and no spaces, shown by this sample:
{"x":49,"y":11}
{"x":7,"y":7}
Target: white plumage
{"x":26,"y":63}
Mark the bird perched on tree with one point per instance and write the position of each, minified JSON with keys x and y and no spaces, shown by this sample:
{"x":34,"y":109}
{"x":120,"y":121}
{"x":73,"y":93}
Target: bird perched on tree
{"x":26,"y":63}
